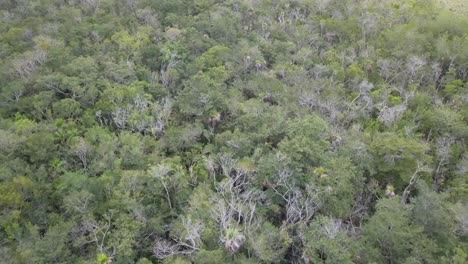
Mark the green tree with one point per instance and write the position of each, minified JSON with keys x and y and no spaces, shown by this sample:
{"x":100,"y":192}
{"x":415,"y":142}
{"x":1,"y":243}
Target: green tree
{"x":390,"y":237}
{"x":271,"y":243}
{"x":326,"y":241}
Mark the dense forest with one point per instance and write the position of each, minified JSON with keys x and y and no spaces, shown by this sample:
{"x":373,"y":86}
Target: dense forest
{"x":235,"y":131}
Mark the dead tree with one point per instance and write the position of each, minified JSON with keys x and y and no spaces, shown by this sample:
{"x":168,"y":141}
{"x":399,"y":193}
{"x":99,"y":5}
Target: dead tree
{"x":414,"y":178}
{"x":93,"y":4}
{"x":82,"y":151}
{"x":235,"y":202}
{"x":301,"y":205}
{"x":443,"y":152}
{"x":29,"y":63}
{"x":98,"y":233}
{"x":185,"y":242}
{"x":162,"y":174}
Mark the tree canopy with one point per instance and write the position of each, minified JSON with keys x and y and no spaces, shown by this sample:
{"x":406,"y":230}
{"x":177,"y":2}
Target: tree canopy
{"x":235,"y":131}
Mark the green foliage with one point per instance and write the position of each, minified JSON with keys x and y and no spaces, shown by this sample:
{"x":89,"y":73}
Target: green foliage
{"x":209,"y":131}
{"x":204,"y":93}
{"x":305,"y":141}
{"x":327,"y":242}
{"x":102,"y":258}
{"x":211,"y":256}
{"x":431,"y":212}
{"x":397,"y":157}
{"x":460,"y":256}
{"x":389,"y":234}
{"x":66,"y":108}
{"x":340,"y":185}
{"x":271,"y":243}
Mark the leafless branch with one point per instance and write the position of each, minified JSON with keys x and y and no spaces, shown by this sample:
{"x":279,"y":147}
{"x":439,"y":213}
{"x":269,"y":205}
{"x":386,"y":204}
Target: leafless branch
{"x":414,"y":178}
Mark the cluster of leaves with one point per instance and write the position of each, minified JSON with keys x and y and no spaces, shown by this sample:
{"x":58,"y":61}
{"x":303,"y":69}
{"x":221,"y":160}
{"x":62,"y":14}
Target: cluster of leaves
{"x":237,"y":131}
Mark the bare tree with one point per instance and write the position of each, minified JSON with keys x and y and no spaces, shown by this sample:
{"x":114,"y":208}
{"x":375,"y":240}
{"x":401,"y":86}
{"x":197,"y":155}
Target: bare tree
{"x":93,"y":4}
{"x":186,"y":242}
{"x":369,"y":25}
{"x":322,"y":5}
{"x":414,"y":178}
{"x":238,"y":197}
{"x":148,"y":17}
{"x":363,"y":102}
{"x":140,"y":103}
{"x":161,"y":114}
{"x":192,"y":233}
{"x":163,"y":248}
{"x":79,"y":201}
{"x":165,"y":76}
{"x":162,"y":173}
{"x":221,"y":212}
{"x":233,"y":241}
{"x":329,"y":109}
{"x":141,"y":115}
{"x":388,"y":115}
{"x":28,"y":63}
{"x":443,"y":147}
{"x":120,"y":116}
{"x":462,"y":166}
{"x":227,"y":163}
{"x":235,"y":201}
{"x":17,"y":94}
{"x":301,"y":205}
{"x":332,"y":228}
{"x":98,"y":233}
{"x":385,"y":69}
{"x":414,"y":65}
{"x":224,"y":215}
{"x":82,"y":151}
{"x":459,"y":209}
